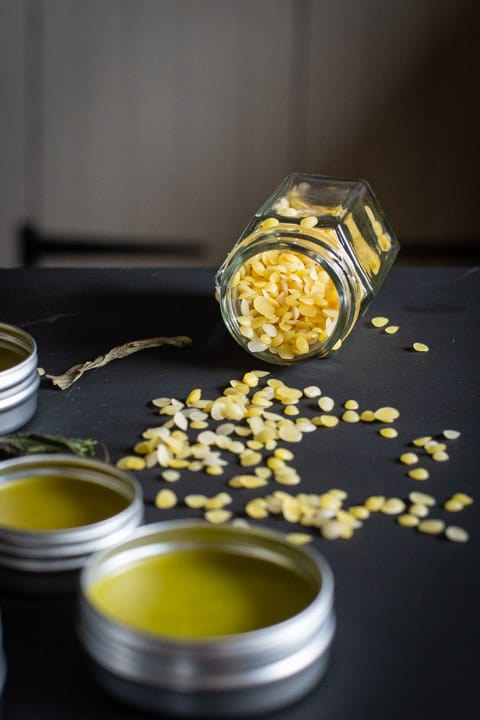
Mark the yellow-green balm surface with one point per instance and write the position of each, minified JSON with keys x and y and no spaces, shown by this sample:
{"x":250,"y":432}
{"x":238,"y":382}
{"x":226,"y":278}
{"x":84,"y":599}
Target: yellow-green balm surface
{"x":9,"y":357}
{"x":54,"y":502}
{"x":195,"y":594}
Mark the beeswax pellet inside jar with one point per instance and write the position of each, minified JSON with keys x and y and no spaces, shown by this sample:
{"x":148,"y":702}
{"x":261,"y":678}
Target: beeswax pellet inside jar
{"x":286,"y":303}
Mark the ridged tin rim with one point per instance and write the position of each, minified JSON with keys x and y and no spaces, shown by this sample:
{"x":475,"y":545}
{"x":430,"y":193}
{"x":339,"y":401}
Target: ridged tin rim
{"x":265,"y":657}
{"x":67,"y":548}
{"x":17,"y":338}
{"x":19,"y":382}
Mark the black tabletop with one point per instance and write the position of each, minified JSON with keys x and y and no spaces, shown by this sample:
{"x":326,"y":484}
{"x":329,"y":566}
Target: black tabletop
{"x":407,"y":604}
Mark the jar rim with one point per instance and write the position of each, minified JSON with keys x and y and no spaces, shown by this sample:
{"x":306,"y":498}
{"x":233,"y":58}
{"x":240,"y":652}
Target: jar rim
{"x":322,"y":254}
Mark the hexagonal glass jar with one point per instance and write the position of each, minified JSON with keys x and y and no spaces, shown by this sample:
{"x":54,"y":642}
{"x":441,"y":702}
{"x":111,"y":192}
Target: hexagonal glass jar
{"x":306,"y":267}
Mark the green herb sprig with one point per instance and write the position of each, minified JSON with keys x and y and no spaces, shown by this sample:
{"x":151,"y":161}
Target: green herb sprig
{"x":18,"y":444}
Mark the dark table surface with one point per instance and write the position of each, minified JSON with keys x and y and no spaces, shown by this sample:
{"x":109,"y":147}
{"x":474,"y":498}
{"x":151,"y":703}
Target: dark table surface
{"x":407,"y":604}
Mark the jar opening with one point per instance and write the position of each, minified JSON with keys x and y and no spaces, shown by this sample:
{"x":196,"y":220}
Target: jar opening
{"x":284,"y":303}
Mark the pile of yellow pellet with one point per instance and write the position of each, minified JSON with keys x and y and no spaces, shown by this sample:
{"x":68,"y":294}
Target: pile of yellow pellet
{"x":286,"y":303}
{"x":248,"y":426}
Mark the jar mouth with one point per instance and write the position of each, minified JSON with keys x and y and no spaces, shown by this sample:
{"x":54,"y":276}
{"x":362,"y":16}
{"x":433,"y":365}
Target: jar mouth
{"x":317,"y":329}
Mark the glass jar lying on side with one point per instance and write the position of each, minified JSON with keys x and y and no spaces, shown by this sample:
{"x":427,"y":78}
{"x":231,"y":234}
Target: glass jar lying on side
{"x":305,"y":268}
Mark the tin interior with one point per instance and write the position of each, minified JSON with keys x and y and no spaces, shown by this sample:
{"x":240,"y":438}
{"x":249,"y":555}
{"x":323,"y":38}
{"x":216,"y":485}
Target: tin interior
{"x":15,"y":347}
{"x":37,"y":550}
{"x":50,"y":501}
{"x":73,"y":485}
{"x":291,"y":581}
{"x":199,"y":592}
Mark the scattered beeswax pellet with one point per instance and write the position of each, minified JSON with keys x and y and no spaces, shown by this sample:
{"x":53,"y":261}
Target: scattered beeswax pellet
{"x":440,"y":456}
{"x":332,"y":530}
{"x":391,"y":329}
{"x":432,"y":446}
{"x":420,"y":347}
{"x":386,"y":414}
{"x":374,"y":502}
{"x":195,"y":501}
{"x":312,"y":391}
{"x":367,"y":416}
{"x":388,"y":432}
{"x":256,"y":509}
{"x":351,"y":416}
{"x":193,"y":396}
{"x":408,"y":520}
{"x":408,"y":458}
{"x":328,"y":421}
{"x":392,"y":506}
{"x":451,"y":434}
{"x":418,"y":510}
{"x":463,"y":498}
{"x":217,"y":502}
{"x":283,"y":454}
{"x":216,"y":517}
{"x":130,"y":462}
{"x":213,"y":470}
{"x":360,"y":512}
{"x":379,"y":321}
{"x":418,"y":473}
{"x":422,"y":441}
{"x":452,"y":505}
{"x":299,"y":538}
{"x":423,"y":498}
{"x":170,"y":475}
{"x":165,"y":499}
{"x":326,"y":403}
{"x":351,"y":405}
{"x":431,"y":527}
{"x":456,"y":534}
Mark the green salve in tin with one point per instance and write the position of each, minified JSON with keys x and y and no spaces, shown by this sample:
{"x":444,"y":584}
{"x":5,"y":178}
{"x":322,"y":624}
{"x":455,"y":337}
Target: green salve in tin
{"x":201,"y":594}
{"x":54,"y":502}
{"x":10,"y":356}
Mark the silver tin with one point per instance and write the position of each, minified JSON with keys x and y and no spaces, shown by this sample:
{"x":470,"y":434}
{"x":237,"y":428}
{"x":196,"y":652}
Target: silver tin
{"x":54,"y":550}
{"x":18,"y":383}
{"x":239,"y":674}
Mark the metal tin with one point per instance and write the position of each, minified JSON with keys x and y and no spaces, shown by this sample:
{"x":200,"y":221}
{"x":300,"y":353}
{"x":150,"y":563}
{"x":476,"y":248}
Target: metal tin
{"x":19,"y":378}
{"x":236,"y":674}
{"x":68,"y":549}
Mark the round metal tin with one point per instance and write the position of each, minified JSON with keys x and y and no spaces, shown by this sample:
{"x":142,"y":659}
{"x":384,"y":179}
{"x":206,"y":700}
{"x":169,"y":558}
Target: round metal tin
{"x":19,"y":378}
{"x":238,"y":674}
{"x":68,"y":548}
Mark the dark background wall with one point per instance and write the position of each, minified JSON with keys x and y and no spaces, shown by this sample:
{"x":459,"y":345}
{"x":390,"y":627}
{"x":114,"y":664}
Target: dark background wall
{"x":172,"y":120}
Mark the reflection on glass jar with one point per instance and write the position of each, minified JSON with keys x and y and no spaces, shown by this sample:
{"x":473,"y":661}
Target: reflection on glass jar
{"x":305,"y":268}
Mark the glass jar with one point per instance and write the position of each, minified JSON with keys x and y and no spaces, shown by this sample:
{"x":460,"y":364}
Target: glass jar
{"x":306,"y":267}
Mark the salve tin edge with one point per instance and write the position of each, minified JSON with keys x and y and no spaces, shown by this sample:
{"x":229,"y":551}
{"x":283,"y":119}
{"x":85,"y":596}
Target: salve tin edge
{"x":239,"y":674}
{"x":67,"y":548}
{"x":19,"y":378}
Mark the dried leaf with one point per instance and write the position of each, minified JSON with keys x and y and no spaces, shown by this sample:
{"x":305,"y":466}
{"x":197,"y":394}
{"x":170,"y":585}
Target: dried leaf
{"x":67,"y":379}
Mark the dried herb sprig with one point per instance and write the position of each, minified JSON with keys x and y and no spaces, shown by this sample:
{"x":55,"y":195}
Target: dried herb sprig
{"x":18,"y":444}
{"x":70,"y":376}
